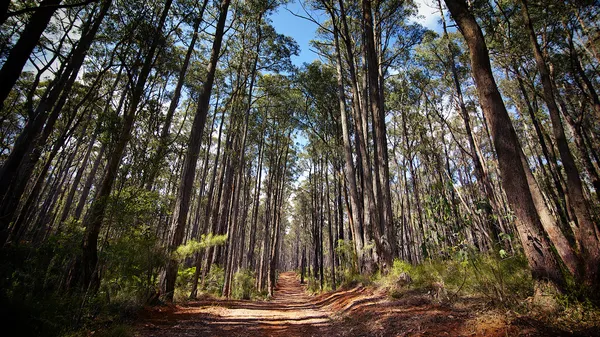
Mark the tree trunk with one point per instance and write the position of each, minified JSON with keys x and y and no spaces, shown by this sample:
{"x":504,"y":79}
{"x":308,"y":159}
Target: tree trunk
{"x":354,"y":214}
{"x":585,"y":229}
{"x":157,"y":159}
{"x":18,"y":167}
{"x":384,"y":229}
{"x":193,"y":149}
{"x":95,"y":214}
{"x":19,"y":54}
{"x":542,"y":262}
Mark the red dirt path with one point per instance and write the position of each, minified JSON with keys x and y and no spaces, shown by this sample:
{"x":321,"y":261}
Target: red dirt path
{"x":354,"y":312}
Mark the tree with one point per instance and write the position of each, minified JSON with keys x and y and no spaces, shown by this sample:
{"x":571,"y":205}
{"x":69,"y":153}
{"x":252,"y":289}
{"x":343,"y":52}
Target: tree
{"x":585,"y":232}
{"x":194,"y":142}
{"x":542,"y":262}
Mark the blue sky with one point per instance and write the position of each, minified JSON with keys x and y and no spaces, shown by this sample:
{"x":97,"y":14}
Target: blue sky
{"x":303,"y":30}
{"x":300,"y":29}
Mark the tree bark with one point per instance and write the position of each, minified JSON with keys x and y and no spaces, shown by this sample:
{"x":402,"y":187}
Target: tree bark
{"x":384,"y":229}
{"x":586,"y":232}
{"x":19,"y":54}
{"x":542,"y":262}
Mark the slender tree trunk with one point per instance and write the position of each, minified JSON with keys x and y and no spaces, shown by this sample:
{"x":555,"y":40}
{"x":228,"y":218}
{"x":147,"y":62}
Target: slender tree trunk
{"x":19,"y":54}
{"x":193,"y":150}
{"x":69,"y":201}
{"x":18,"y":167}
{"x":253,"y":227}
{"x":480,"y":172}
{"x":384,"y":229}
{"x":542,"y":262}
{"x":586,"y":231}
{"x":550,"y":159}
{"x":329,"y":223}
{"x":369,"y":208}
{"x":158,"y":157}
{"x":96,"y":212}
{"x":355,"y":214}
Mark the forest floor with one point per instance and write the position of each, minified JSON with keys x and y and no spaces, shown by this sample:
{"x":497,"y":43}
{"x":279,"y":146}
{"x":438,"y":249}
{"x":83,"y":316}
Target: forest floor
{"x":358,"y":311}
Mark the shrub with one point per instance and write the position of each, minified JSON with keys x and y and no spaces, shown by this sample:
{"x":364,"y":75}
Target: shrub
{"x":244,"y":285}
{"x":353,"y":279}
{"x":501,"y":280}
{"x":215,"y":280}
{"x":183,"y":284}
{"x":132,"y":263}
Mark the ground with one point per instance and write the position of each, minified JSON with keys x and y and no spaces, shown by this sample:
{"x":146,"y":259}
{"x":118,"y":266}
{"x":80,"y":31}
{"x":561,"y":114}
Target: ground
{"x":357,"y":311}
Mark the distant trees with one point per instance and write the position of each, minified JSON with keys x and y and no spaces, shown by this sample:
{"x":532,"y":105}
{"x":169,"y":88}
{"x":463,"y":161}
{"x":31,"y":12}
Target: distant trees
{"x":446,"y":162}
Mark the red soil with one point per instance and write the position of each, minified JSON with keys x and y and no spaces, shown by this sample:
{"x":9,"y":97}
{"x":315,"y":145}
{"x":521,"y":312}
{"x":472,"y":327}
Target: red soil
{"x":353,"y":312}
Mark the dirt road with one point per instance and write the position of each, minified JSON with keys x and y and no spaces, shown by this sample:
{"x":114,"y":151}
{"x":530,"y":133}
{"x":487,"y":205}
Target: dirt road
{"x":290,"y":313}
{"x":353,"y":312}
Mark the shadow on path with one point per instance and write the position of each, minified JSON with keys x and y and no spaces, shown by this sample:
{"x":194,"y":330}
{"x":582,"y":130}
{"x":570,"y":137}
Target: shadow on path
{"x":291,"y":312}
{"x":351,"y":312}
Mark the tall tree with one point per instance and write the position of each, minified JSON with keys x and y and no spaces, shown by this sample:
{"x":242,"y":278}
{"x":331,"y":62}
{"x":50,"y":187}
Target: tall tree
{"x":193,"y":150}
{"x":95,"y":215}
{"x":542,"y":261}
{"x":586,"y":231}
{"x":29,"y":38}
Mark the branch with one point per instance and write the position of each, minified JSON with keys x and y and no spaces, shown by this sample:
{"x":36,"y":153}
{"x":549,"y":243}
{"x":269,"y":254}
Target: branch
{"x":33,"y":9}
{"x":309,"y":18}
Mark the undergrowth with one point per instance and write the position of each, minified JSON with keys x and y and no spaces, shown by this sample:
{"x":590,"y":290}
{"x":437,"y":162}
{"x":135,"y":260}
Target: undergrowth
{"x":243,"y":286}
{"x":501,"y":281}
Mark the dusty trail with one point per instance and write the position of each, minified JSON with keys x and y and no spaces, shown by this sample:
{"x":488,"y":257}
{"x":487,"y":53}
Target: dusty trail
{"x":352,"y":312}
{"x":290,"y":313}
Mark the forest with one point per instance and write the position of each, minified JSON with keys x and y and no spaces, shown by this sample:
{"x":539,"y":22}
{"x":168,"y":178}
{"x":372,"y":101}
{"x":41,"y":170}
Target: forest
{"x":160,"y":153}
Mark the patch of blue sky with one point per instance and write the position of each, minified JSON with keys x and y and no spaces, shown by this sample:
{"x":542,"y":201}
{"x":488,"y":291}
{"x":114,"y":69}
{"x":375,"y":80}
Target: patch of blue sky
{"x":302,"y":30}
{"x":288,"y":21}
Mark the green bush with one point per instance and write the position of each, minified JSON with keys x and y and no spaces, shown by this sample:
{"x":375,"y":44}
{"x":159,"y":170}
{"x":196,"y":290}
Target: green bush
{"x":41,"y":294}
{"x":352,"y":279}
{"x":500,"y":280}
{"x":183,"y":285}
{"x":33,"y":300}
{"x":347,"y":255}
{"x":215,"y":280}
{"x":244,"y":285}
{"x":313,"y":285}
{"x":132,"y":264}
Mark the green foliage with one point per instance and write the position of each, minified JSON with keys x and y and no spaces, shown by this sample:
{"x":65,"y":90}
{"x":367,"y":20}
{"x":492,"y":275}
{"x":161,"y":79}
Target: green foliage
{"x":347,"y":254}
{"x":192,"y":247}
{"x":132,"y":265}
{"x":500,"y":280}
{"x":400,"y":267}
{"x":32,"y":279}
{"x":313,"y":285}
{"x":134,"y":206}
{"x":244,"y":285}
{"x":351,"y":279}
{"x":35,"y":277}
{"x":183,"y":284}
{"x":215,"y":280}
